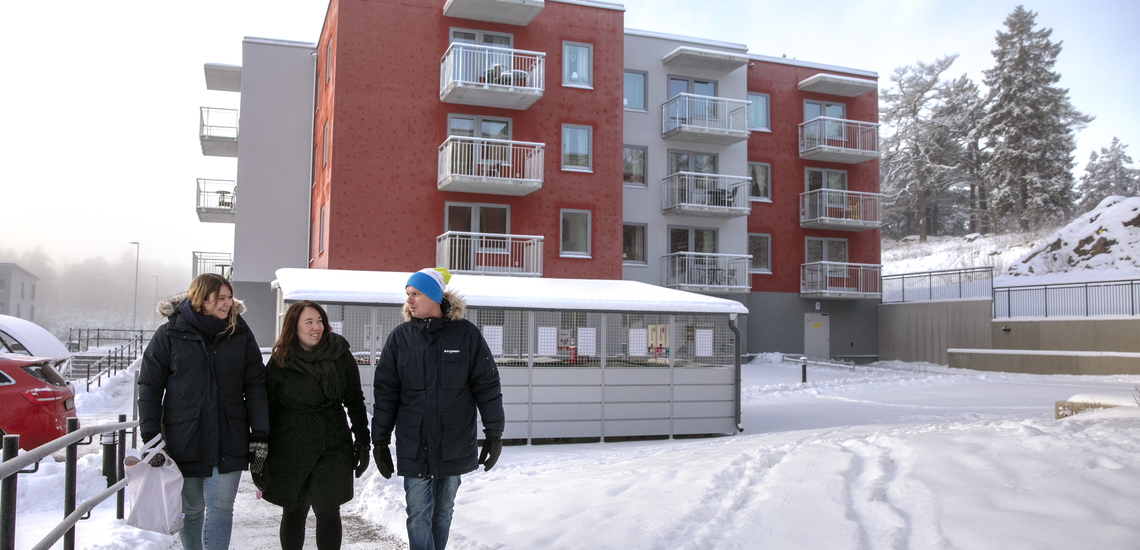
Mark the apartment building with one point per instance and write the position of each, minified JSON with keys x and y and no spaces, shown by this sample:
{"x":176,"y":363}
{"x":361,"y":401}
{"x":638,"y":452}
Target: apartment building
{"x":543,"y":139}
{"x":17,"y":291}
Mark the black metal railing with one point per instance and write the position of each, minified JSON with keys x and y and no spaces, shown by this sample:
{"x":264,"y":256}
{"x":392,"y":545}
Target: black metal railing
{"x":82,"y":339}
{"x":114,"y":445}
{"x":1070,"y":299}
{"x":949,"y":284}
{"x":110,"y":364}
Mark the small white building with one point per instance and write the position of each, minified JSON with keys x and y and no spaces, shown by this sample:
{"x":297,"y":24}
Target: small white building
{"x":578,"y":358}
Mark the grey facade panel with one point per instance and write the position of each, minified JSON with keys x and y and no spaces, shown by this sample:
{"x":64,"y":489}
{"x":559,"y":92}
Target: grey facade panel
{"x":567,"y":394}
{"x":640,"y":376}
{"x":260,"y":310}
{"x":540,"y":430}
{"x":637,"y":411}
{"x":637,"y":394}
{"x":623,"y":428}
{"x":854,"y":324}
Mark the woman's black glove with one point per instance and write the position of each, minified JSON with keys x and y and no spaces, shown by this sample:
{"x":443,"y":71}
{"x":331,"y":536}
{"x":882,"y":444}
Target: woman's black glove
{"x":492,"y":447}
{"x":258,"y":451}
{"x":362,"y":447}
{"x":383,"y":459}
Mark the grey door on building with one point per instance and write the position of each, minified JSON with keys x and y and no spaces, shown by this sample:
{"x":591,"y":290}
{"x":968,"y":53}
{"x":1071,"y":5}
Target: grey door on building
{"x":817,"y":335}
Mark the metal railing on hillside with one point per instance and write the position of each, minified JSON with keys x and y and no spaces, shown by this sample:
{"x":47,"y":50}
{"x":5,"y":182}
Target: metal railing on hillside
{"x":110,"y":364}
{"x":1070,"y":299}
{"x":81,"y":339}
{"x":948,"y":284}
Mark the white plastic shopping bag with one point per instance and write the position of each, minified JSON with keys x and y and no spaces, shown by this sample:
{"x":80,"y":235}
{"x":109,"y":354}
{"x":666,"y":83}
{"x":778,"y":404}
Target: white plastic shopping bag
{"x":156,"y":493}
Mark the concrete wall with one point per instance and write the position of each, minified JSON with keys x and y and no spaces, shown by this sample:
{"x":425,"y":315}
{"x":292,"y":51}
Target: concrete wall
{"x":1067,"y":333}
{"x":776,"y":324}
{"x":260,"y":310}
{"x":922,"y":331}
{"x":1046,"y":362}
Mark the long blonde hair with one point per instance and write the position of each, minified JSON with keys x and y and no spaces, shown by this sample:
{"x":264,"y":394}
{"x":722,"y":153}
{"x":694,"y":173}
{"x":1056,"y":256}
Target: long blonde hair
{"x":200,"y":290}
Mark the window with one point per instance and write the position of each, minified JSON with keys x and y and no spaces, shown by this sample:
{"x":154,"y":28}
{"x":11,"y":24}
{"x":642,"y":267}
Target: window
{"x":633,"y":165}
{"x":470,"y":252}
{"x":830,"y":129}
{"x":575,"y":233}
{"x":818,"y":178}
{"x":760,"y":189}
{"x":682,"y":85}
{"x":21,"y":291}
{"x":325,"y":145}
{"x":577,"y":64}
{"x":482,"y":65}
{"x":692,"y":239}
{"x":32,"y":313}
{"x":328,"y":60}
{"x":2,"y":284}
{"x":479,"y":127}
{"x":816,"y":109}
{"x":690,"y":161}
{"x":17,"y":309}
{"x":321,"y":233}
{"x":818,"y":249}
{"x":758,"y":248}
{"x":576,"y":144}
{"x":468,"y":36}
{"x":634,"y":95}
{"x":758,"y":111}
{"x":33,"y":291}
{"x":477,"y":218}
{"x":633,"y":243}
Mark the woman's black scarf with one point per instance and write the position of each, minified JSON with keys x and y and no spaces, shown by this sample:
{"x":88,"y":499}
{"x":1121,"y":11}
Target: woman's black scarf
{"x":320,"y":363}
{"x":208,"y":325}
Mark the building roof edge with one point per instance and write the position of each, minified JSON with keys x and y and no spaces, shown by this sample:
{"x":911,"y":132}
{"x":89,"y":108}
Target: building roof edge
{"x":813,"y":65}
{"x":690,"y":39}
{"x":593,"y":4}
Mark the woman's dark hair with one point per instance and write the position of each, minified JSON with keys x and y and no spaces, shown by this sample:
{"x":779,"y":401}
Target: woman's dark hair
{"x":287,"y":343}
{"x":205,"y":285}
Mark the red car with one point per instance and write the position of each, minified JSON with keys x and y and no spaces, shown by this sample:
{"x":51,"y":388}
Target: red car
{"x":35,"y":401}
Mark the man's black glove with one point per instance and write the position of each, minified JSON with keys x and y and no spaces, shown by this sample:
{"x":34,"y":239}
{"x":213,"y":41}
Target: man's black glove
{"x":258,"y":450}
{"x":361,"y":447}
{"x":383,"y":459}
{"x":492,"y":447}
{"x":156,"y":459}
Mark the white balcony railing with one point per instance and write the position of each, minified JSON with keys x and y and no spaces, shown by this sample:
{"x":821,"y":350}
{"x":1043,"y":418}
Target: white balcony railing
{"x":706,"y":272}
{"x":838,"y":140}
{"x":840,"y":280}
{"x":472,"y":74}
{"x":221,"y":263}
{"x":218,"y":131}
{"x":714,"y":195}
{"x":691,"y":117}
{"x":215,"y":202}
{"x":489,"y":253}
{"x":501,"y":167}
{"x":840,"y":209}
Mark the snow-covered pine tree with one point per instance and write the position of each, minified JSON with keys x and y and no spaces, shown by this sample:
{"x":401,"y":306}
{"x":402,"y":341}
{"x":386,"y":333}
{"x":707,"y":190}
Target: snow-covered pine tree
{"x":1108,"y":174}
{"x":1030,"y":126}
{"x":962,"y":112}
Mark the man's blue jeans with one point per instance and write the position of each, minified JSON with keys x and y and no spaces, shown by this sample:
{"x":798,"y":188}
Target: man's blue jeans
{"x":431,"y":502}
{"x":208,"y":510}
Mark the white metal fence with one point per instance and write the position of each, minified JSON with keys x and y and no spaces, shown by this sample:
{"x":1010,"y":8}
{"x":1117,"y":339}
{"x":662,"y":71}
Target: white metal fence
{"x":489,"y":253}
{"x":706,"y":190}
{"x":839,"y":133}
{"x":949,"y":284}
{"x":704,"y":113}
{"x":708,"y":272}
{"x":839,"y":206}
{"x":216,"y":193}
{"x":490,"y":158}
{"x":838,"y":278}
{"x":489,"y":65}
{"x":212,"y":262}
{"x":216,"y":122}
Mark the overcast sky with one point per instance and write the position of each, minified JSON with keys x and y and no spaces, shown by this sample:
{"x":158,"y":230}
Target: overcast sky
{"x":101,"y":143}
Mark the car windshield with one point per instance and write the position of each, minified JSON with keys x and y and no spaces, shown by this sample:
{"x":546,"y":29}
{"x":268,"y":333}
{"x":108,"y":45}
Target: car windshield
{"x":46,"y":373}
{"x":10,"y":345}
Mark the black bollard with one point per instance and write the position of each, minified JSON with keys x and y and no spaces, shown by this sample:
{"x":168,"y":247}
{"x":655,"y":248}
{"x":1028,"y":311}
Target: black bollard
{"x":803,"y":367}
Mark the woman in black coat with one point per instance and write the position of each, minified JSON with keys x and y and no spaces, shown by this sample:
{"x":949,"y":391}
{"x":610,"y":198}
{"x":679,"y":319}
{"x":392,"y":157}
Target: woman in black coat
{"x":312,"y":378}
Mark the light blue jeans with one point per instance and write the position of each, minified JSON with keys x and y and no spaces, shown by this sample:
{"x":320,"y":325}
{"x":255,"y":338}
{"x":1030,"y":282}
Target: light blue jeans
{"x":208,"y":510}
{"x":431,"y":502}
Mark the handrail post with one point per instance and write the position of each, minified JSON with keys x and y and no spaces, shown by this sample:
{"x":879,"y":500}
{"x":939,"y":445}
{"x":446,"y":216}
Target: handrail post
{"x":8,"y":497}
{"x":119,"y":471}
{"x":69,"y":484}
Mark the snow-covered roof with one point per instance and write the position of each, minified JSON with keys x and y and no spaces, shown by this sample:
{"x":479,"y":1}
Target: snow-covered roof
{"x":37,"y":340}
{"x":387,"y":287}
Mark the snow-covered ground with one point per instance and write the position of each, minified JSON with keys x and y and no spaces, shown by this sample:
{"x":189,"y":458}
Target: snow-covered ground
{"x":896,"y":455}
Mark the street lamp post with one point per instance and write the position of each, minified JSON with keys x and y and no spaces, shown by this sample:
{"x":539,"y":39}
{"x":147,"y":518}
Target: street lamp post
{"x":135,"y":310}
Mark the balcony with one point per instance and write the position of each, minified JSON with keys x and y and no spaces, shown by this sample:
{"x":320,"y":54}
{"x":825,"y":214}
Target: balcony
{"x":707,"y":195}
{"x":829,"y":139}
{"x":216,"y":201}
{"x":494,"y":166}
{"x":833,"y":84}
{"x":703,"y":119}
{"x":222,"y":77}
{"x":840,"y":280}
{"x":511,"y":12}
{"x":701,"y":59}
{"x":489,"y":253}
{"x":218,"y":132}
{"x":487,"y":76}
{"x":221,"y":263}
{"x":714,"y":273}
{"x":841,"y":210}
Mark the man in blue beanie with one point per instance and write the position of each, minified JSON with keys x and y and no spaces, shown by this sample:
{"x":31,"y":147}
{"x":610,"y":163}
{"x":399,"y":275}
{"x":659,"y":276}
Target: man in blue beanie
{"x":434,"y":372}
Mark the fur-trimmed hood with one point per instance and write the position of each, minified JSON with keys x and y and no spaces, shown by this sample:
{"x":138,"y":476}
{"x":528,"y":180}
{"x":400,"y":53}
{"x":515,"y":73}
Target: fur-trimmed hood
{"x":453,"y":305}
{"x":169,"y":306}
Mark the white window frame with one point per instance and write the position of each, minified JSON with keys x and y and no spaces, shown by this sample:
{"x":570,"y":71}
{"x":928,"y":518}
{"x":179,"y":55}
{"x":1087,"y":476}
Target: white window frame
{"x":562,"y":237}
{"x":589,"y":84}
{"x":644,"y":244}
{"x":589,"y":149}
{"x":321,"y":229}
{"x":325,"y":146}
{"x":825,"y":172}
{"x":824,"y":241}
{"x":479,"y":36}
{"x":478,"y":121}
{"x":328,"y":60}
{"x":752,"y":268}
{"x":767,"y":111}
{"x":760,"y":199}
{"x":476,"y":213}
{"x":644,"y":166}
{"x":644,"y":91}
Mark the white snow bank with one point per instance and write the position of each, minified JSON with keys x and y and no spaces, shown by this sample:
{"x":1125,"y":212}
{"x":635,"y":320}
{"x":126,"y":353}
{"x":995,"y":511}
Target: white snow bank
{"x":1102,"y":399}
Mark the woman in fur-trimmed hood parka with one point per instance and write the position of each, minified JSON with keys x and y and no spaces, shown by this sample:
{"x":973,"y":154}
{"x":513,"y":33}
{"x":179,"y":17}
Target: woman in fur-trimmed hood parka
{"x":202,"y":386}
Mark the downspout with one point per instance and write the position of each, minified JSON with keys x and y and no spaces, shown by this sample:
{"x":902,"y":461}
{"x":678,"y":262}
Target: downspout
{"x":736,"y":363}
{"x":312,"y":160}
